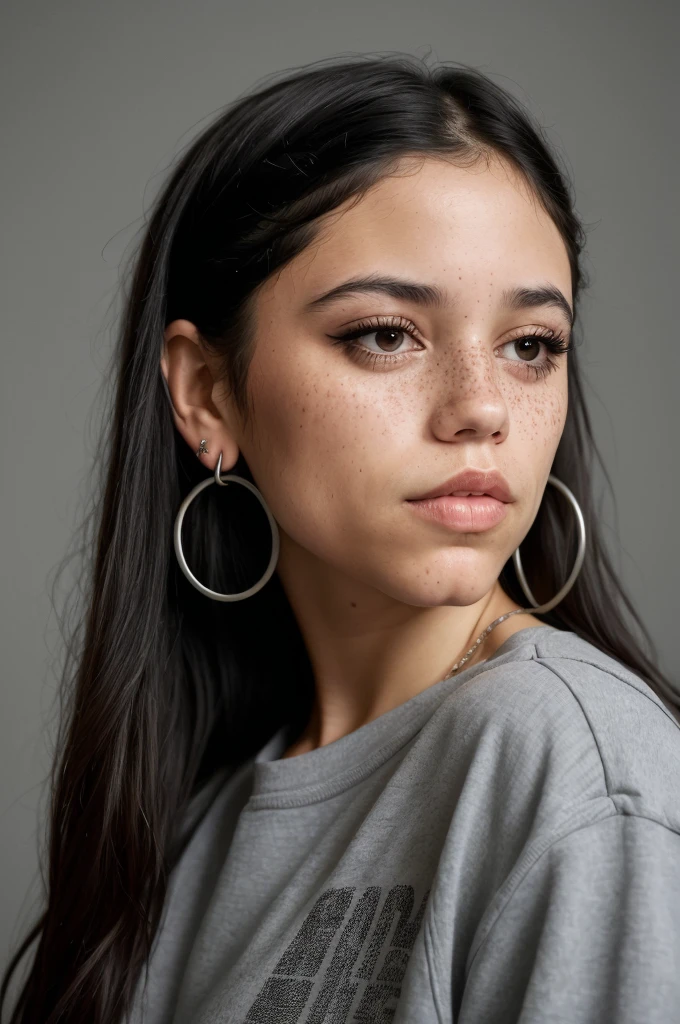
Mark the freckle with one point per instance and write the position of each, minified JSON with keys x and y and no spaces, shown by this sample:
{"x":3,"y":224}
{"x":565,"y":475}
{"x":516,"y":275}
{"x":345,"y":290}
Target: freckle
{"x":353,"y":604}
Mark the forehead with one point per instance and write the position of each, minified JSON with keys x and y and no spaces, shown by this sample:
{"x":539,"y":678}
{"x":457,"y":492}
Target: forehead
{"x":477,"y":224}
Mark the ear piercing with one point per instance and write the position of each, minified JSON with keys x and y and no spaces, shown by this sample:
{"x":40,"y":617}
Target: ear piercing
{"x":202,"y":450}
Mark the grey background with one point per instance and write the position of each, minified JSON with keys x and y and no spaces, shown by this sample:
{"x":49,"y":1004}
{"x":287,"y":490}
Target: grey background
{"x":97,"y":98}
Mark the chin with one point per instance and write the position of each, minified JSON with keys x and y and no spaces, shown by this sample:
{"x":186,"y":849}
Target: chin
{"x":440,"y":587}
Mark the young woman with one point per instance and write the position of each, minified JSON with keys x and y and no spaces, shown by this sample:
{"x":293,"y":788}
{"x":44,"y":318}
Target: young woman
{"x":336,"y":750}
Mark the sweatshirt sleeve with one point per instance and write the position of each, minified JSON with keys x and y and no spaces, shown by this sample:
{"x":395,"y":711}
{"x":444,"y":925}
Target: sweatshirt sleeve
{"x":589,"y":935}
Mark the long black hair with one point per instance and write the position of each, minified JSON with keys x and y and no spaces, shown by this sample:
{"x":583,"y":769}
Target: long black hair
{"x":162,"y":688}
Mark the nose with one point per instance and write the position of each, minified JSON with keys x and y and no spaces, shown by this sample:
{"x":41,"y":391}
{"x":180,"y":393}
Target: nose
{"x":470,"y":404}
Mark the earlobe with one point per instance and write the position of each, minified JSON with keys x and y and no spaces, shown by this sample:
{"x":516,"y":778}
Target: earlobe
{"x":190,"y":385}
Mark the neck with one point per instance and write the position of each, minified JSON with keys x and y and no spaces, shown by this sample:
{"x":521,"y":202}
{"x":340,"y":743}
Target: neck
{"x":371,"y":653}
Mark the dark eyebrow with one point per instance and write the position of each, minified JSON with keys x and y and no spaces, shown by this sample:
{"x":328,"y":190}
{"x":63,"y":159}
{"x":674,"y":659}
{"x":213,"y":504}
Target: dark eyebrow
{"x":437,"y":298}
{"x":411,"y":291}
{"x":546,"y":295}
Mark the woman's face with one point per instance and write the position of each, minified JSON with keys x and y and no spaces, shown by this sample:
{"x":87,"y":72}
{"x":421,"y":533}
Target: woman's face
{"x":344,"y":434}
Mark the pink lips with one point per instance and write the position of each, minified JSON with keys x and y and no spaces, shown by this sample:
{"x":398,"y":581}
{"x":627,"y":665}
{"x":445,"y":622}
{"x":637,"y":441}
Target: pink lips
{"x":468,"y":515}
{"x":471,"y":513}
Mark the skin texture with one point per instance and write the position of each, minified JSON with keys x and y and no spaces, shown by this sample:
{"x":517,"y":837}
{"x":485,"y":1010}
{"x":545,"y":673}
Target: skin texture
{"x":388,"y":601}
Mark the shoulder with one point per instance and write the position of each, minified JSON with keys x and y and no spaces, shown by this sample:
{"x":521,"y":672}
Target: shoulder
{"x":555,"y":714}
{"x":636,"y":735}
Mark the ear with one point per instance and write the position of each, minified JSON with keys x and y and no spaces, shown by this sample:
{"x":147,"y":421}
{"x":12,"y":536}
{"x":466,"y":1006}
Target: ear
{"x":191,"y":385}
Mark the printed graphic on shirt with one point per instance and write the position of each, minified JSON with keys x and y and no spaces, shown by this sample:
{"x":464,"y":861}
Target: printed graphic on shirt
{"x":368,"y":987}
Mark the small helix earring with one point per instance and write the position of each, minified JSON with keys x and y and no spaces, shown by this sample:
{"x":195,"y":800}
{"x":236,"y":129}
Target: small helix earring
{"x":223,"y":479}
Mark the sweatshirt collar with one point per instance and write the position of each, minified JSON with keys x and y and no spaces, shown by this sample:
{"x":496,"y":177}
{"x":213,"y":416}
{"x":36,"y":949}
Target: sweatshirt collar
{"x":323,"y":772}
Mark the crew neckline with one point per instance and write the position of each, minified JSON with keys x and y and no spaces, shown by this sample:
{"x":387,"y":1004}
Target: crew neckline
{"x":328,"y":770}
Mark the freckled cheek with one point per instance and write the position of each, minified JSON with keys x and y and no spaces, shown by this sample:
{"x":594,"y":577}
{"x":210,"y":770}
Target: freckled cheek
{"x":319,"y":442}
{"x":555,"y":409}
{"x":538,"y":416}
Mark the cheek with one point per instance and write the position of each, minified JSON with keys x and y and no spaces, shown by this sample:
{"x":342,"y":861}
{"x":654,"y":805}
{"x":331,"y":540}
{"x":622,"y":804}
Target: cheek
{"x":321,"y":449}
{"x":538,"y":414}
{"x":537,"y":417}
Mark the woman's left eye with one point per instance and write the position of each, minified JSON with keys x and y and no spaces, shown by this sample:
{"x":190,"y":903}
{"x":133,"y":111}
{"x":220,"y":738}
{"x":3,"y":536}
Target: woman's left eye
{"x":528,"y":347}
{"x":525,"y":349}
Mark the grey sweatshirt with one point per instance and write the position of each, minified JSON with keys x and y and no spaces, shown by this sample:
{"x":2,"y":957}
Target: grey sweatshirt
{"x":503,"y":847}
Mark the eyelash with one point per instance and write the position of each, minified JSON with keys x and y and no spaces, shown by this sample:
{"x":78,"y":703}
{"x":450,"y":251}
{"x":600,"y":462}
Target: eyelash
{"x":553,"y":341}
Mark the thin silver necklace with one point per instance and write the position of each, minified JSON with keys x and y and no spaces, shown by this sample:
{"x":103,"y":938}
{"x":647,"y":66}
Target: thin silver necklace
{"x":483,"y":636}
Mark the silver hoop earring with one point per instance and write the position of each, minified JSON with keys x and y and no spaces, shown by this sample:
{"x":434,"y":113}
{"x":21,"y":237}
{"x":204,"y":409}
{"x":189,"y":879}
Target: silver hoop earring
{"x":543,"y":608}
{"x":223,"y":479}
